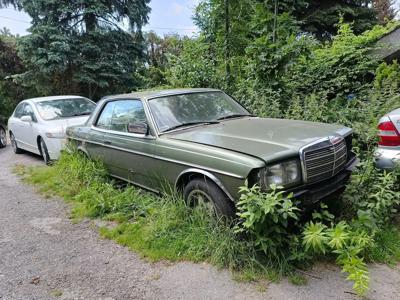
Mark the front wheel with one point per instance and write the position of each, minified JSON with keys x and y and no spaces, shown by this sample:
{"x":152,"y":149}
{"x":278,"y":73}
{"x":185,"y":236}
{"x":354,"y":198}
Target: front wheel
{"x":44,"y":151}
{"x":201,"y":191}
{"x":3,"y":138}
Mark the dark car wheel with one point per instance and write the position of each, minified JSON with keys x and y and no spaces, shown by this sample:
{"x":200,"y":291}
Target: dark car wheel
{"x":15,"y":145}
{"x":44,"y":151}
{"x":201,"y":191}
{"x":3,"y":138}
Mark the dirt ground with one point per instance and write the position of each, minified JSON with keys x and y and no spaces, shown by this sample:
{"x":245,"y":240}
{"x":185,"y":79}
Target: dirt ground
{"x":43,"y":255}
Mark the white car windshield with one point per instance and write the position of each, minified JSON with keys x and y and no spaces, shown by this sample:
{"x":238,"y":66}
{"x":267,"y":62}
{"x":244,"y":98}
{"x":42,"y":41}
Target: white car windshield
{"x":65,"y":108}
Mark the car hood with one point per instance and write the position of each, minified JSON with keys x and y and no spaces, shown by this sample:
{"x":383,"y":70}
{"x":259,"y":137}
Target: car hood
{"x":62,"y":124}
{"x":268,"y":139}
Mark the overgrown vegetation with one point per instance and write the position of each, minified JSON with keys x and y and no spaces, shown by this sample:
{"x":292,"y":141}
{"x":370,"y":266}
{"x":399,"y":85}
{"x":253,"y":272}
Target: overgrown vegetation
{"x":303,"y":60}
{"x":269,"y":238}
{"x":157,"y":227}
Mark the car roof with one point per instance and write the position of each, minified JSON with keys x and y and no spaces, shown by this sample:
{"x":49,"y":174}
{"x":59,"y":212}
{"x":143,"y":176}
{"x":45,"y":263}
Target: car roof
{"x":160,"y":93}
{"x":49,"y":98}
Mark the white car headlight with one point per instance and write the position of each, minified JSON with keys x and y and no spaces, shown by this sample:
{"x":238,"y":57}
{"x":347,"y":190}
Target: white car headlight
{"x":56,"y":135}
{"x":284,"y":174}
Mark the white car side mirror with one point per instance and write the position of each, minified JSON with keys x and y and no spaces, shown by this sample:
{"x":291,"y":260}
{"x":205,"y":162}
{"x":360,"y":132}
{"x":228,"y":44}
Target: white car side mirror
{"x":27,"y":119}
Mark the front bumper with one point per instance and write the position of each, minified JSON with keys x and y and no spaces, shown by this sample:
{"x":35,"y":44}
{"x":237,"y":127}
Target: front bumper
{"x":316,"y":192}
{"x":54,"y":147}
{"x":387,"y":158}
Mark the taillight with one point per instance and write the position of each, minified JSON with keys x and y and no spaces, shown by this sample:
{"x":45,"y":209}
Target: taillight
{"x":388,"y":134}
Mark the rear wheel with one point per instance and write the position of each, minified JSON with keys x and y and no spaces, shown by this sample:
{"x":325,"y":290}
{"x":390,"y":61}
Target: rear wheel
{"x":44,"y":151}
{"x":3,"y":138}
{"x":203,"y":192}
{"x":14,"y":144}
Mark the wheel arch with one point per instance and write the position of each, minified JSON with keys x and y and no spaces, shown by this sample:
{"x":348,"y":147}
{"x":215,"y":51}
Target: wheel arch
{"x":82,"y":150}
{"x":185,"y":176}
{"x":38,"y":138}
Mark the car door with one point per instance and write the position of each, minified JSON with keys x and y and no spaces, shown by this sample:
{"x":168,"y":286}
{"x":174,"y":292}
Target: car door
{"x":22,"y":131}
{"x":127,"y":155}
{"x":16,"y":126}
{"x":28,"y":131}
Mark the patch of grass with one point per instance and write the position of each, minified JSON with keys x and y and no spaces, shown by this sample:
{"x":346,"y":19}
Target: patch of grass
{"x":156,"y":227}
{"x":297,"y":279}
{"x":56,"y":293}
{"x":387,"y":246}
{"x":165,"y":227}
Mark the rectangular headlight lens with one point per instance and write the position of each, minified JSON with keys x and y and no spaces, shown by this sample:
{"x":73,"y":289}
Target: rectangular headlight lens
{"x":56,"y":135}
{"x":286,"y":173}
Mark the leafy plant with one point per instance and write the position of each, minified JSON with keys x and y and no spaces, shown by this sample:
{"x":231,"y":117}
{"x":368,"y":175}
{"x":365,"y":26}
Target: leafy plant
{"x":265,"y":218}
{"x":347,"y":243}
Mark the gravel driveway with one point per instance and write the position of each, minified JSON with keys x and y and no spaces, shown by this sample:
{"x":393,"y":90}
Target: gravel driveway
{"x":45,"y":256}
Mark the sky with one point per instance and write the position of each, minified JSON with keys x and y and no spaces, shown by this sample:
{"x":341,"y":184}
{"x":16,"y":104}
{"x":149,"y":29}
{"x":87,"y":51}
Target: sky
{"x":166,"y":17}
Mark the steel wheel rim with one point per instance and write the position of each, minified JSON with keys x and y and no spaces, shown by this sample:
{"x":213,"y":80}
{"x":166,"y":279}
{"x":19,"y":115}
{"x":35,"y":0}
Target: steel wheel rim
{"x":201,"y":199}
{"x":3,"y":139}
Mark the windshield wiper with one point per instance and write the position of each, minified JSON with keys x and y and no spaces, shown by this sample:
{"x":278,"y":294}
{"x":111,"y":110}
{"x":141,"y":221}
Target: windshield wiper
{"x":234,"y":116}
{"x":191,"y":123}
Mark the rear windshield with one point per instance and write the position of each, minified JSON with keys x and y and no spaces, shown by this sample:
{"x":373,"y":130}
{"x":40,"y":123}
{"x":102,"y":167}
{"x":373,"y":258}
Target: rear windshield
{"x":65,"y":108}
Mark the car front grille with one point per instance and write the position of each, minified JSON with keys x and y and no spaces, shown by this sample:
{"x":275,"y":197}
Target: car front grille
{"x":324,"y":160}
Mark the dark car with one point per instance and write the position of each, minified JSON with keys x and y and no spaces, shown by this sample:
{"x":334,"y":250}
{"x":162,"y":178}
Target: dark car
{"x":3,"y":134}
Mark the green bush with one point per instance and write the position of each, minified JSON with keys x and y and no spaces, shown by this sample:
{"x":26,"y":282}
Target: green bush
{"x":265,"y":218}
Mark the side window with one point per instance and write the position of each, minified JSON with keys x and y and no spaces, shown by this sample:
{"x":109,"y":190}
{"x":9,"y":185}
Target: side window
{"x":117,"y":115}
{"x":19,"y":111}
{"x":127,"y":112}
{"x":104,"y":121}
{"x":28,"y":111}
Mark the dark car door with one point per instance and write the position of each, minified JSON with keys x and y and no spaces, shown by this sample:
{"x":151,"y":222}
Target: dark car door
{"x":127,"y":155}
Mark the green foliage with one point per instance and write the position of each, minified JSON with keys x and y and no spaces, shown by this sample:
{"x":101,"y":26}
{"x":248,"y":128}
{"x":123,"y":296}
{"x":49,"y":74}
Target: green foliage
{"x":297,"y":279}
{"x":80,"y":48}
{"x":193,"y":67}
{"x":321,"y":17}
{"x":10,"y":64}
{"x":349,"y":55}
{"x":387,"y":76}
{"x":347,"y":243}
{"x":157,"y":227}
{"x":265,"y":218}
{"x":379,"y":196}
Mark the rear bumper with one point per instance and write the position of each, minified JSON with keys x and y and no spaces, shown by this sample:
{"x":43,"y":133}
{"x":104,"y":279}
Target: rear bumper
{"x":387,"y":158}
{"x":316,"y":192}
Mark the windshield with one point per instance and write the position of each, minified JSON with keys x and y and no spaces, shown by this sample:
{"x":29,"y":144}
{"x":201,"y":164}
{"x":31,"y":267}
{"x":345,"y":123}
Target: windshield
{"x":177,"y":110}
{"x":65,"y":108}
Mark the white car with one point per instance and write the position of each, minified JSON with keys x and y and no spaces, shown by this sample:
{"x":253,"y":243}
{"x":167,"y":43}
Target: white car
{"x":39,"y":125}
{"x":387,"y":155}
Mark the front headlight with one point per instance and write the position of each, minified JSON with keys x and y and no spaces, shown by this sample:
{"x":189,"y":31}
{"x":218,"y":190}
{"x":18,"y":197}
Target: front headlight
{"x":56,"y":135}
{"x":284,"y":174}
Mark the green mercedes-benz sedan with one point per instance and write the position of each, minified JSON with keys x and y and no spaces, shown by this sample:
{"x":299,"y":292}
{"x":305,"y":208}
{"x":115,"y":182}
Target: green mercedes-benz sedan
{"x":206,"y":145}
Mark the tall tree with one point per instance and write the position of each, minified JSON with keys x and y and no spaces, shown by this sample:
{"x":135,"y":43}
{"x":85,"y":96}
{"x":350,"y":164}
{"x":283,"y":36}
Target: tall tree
{"x":385,"y":10}
{"x":10,"y":64}
{"x":79,"y":46}
{"x":158,"y":51}
{"x":321,"y":17}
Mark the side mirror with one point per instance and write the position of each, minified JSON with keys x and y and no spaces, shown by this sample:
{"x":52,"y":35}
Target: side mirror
{"x":27,"y":119}
{"x":138,"y":128}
